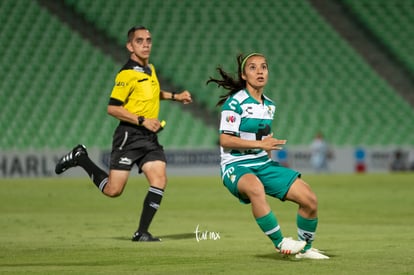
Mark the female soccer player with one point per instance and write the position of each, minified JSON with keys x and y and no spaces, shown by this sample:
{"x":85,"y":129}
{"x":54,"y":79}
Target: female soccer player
{"x":247,"y":170}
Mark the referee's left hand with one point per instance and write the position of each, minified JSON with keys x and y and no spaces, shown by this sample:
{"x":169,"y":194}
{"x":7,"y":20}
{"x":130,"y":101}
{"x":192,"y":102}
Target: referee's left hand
{"x":184,"y":97}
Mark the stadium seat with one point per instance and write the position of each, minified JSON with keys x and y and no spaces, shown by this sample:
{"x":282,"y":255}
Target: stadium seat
{"x":392,"y":22}
{"x":317,"y":81}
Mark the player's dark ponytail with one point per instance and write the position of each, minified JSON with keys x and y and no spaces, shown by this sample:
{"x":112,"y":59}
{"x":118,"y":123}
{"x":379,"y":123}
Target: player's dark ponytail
{"x":228,"y":82}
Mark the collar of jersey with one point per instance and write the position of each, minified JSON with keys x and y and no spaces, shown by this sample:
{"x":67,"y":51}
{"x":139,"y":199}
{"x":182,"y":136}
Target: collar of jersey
{"x":139,"y":68}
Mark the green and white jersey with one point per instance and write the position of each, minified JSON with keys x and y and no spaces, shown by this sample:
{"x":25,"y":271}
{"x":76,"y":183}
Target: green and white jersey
{"x":244,"y":117}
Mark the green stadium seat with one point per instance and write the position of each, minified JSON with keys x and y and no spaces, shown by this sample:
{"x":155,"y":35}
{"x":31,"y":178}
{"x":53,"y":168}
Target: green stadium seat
{"x":316,"y":79}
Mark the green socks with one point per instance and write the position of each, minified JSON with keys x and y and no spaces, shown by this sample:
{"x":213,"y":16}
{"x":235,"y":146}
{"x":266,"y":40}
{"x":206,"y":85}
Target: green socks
{"x":306,"y":230}
{"x":270,"y":227}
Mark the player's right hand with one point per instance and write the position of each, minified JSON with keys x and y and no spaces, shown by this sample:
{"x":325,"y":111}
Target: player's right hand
{"x":270,"y":143}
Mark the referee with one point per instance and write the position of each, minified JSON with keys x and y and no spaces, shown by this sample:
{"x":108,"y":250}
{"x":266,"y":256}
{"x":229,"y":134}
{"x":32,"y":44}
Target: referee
{"x":135,"y":102}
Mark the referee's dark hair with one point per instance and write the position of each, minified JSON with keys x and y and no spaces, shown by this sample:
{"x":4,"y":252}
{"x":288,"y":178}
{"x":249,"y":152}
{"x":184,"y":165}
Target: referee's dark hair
{"x":133,"y":29}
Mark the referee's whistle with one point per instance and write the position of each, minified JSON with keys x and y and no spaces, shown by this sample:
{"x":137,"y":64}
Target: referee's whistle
{"x":163,"y":123}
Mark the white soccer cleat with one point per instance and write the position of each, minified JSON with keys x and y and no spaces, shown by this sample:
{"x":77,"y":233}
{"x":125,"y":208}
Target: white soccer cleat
{"x":312,"y":253}
{"x":289,"y":246}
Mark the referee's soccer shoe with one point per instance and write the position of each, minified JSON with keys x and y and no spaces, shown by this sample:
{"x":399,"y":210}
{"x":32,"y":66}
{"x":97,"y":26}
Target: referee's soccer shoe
{"x":70,"y":159}
{"x":144,"y":237}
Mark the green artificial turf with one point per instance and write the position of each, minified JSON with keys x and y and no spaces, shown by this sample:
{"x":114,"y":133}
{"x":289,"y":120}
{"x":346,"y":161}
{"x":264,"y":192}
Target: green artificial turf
{"x":65,"y":226}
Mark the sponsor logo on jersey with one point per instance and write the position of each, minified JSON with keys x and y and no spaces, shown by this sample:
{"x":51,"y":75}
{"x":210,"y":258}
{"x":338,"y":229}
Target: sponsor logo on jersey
{"x":231,"y":119}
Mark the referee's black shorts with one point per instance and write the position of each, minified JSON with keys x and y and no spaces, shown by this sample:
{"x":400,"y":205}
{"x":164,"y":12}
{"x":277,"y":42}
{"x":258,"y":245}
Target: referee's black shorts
{"x":134,"y":144}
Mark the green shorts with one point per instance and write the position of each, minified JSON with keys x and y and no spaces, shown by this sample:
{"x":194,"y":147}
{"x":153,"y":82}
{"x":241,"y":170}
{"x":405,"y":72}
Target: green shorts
{"x":276,"y":179}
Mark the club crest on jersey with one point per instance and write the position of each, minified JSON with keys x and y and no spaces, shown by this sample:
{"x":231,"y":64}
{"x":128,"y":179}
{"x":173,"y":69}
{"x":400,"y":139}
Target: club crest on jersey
{"x":231,"y":119}
{"x":270,"y":111}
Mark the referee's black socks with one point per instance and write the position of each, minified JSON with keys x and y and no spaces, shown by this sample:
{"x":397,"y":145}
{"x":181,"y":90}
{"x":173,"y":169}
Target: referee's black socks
{"x":151,"y":203}
{"x":97,"y":175}
{"x":100,"y":179}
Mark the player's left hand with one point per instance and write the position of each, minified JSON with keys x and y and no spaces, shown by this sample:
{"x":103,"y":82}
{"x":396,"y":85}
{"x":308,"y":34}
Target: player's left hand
{"x":184,"y":97}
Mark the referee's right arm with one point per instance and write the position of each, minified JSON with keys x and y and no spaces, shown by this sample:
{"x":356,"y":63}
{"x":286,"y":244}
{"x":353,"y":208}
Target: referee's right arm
{"x":116,"y":110}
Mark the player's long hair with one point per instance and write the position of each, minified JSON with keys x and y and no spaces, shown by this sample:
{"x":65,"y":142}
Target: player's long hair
{"x":228,"y":82}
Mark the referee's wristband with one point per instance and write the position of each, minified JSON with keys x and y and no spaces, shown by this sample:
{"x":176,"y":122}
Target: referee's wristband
{"x":141,"y":120}
{"x":173,"y":97}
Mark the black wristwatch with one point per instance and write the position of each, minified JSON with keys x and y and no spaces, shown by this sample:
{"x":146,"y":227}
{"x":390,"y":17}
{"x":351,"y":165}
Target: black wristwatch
{"x":141,"y":120}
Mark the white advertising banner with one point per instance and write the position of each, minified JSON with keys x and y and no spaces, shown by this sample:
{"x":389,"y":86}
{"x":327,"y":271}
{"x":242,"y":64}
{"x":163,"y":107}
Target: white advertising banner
{"x":19,"y":164}
{"x":348,"y":160}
